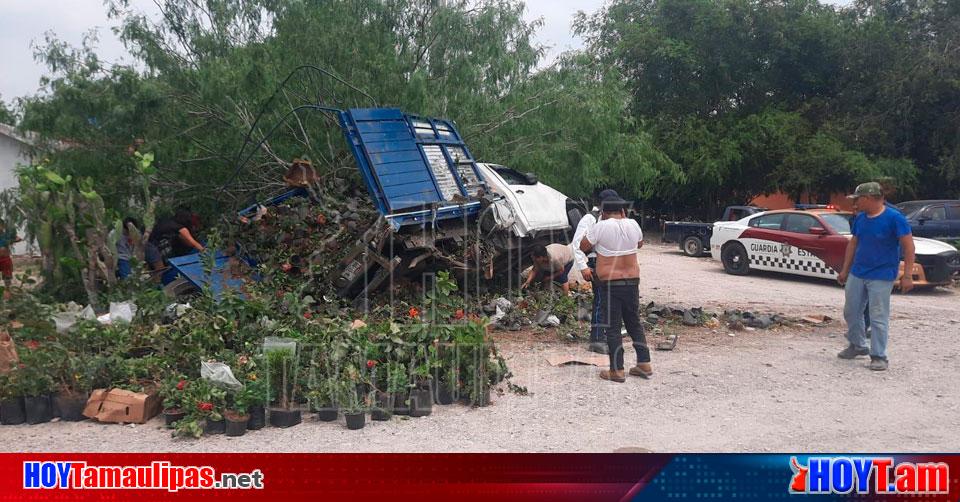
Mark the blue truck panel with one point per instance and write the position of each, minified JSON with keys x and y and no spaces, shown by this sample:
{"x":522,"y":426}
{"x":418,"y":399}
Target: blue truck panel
{"x":191,"y":267}
{"x":406,"y":163}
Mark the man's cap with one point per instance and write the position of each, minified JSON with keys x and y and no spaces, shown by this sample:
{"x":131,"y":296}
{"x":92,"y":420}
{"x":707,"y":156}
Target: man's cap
{"x":614,"y":203}
{"x":869,"y":188}
{"x":608,"y":193}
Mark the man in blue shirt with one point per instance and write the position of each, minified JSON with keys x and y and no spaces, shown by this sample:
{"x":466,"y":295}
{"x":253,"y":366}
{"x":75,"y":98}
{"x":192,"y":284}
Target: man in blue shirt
{"x":889,"y":191}
{"x":870,"y":269}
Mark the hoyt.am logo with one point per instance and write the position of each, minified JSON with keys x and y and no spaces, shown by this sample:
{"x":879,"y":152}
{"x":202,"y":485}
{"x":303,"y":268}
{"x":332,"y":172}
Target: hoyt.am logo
{"x":879,"y":475}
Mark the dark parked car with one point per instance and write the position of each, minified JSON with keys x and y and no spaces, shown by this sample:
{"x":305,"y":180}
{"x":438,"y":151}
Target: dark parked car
{"x":935,"y":219}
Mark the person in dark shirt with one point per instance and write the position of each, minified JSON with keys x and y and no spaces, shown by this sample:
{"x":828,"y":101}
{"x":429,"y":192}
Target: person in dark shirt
{"x":171,"y":237}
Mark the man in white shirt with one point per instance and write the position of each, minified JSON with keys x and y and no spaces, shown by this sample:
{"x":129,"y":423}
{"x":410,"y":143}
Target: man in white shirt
{"x":616,"y":240}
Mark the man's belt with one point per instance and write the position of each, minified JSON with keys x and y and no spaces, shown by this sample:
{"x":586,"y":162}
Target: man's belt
{"x":621,"y":282}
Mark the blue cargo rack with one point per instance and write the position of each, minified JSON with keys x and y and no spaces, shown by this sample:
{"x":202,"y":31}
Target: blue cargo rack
{"x":417,"y":169}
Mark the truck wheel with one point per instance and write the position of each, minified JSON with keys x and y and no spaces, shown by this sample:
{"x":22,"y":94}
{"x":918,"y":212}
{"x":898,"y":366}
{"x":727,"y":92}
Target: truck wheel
{"x":692,"y":246}
{"x":735,"y":259}
{"x":180,"y":288}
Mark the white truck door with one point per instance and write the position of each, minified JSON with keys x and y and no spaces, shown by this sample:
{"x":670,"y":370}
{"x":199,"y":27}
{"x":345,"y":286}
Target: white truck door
{"x":537,"y":206}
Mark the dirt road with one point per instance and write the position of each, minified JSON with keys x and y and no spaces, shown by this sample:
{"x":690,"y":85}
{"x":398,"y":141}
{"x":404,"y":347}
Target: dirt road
{"x":776,"y":390}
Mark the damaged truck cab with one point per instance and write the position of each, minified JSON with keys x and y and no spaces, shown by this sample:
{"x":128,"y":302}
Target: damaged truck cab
{"x":439,"y":208}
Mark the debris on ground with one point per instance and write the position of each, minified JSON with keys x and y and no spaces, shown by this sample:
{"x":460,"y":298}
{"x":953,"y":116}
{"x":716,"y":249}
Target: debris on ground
{"x":669,"y":344}
{"x":566,"y":359}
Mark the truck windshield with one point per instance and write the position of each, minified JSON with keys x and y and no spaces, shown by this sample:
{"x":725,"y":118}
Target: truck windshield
{"x":839,"y":222}
{"x":510,"y":176}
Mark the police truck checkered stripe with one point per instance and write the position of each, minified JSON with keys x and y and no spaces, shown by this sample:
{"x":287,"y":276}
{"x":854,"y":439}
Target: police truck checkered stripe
{"x":814,"y":266}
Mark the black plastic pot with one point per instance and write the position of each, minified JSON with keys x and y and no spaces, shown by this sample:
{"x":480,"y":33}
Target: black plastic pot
{"x":258,"y":418}
{"x":70,"y":406}
{"x":421,"y":402}
{"x":54,"y":405}
{"x":280,"y":417}
{"x":12,"y":412}
{"x":401,"y":405}
{"x":444,"y":394}
{"x":214,"y":426}
{"x":173,"y":415}
{"x":327,"y":413}
{"x":355,"y":421}
{"x":237,"y":425}
{"x":39,"y":409}
{"x":384,"y":407}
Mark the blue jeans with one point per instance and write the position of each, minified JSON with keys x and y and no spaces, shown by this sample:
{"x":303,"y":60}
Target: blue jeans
{"x":860,"y":292}
{"x":123,"y":268}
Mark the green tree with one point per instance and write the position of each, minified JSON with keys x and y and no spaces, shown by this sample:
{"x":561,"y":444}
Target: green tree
{"x":7,"y":114}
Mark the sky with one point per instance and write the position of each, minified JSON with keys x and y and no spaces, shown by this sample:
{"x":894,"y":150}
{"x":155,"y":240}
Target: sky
{"x":23,"y":24}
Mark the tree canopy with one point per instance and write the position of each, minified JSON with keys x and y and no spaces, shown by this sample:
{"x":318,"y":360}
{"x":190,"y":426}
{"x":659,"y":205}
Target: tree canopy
{"x":687,"y":104}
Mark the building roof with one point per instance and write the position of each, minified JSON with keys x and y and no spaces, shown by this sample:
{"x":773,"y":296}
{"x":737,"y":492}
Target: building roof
{"x":28,"y":138}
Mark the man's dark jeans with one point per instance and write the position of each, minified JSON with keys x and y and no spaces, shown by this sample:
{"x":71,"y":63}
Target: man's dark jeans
{"x":621,"y":304}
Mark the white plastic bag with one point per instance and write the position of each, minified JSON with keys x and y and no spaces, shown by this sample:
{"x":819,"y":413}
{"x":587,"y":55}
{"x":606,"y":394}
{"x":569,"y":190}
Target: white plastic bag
{"x":122,"y":312}
{"x":219,"y":373}
{"x":64,"y":321}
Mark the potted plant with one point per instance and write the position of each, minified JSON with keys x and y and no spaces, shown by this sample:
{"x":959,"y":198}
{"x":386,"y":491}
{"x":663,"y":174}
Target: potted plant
{"x":351,"y":404}
{"x":211,"y":408}
{"x":174,"y":392}
{"x":11,"y":402}
{"x":474,"y":361}
{"x":421,"y":397}
{"x":393,"y":380}
{"x":35,"y":382}
{"x":204,"y":406}
{"x":236,"y":415}
{"x":256,"y":398}
{"x":323,"y":398}
{"x":445,"y":390}
{"x":282,"y":365}
{"x":399,"y":386}
{"x":76,"y":381}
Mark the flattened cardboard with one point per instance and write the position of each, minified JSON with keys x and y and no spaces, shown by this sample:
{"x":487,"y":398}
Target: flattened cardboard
{"x":122,"y":406}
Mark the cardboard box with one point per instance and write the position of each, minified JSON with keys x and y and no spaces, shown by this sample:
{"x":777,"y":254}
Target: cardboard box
{"x":8,"y":353}
{"x":122,"y":406}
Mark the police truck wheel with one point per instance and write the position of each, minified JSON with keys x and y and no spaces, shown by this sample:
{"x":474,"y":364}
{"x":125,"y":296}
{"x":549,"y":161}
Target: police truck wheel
{"x":735,"y":259}
{"x":692,"y":246}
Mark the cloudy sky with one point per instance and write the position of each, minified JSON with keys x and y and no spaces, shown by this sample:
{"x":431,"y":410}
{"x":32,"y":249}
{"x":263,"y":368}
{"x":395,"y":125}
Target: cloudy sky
{"x":23,"y":24}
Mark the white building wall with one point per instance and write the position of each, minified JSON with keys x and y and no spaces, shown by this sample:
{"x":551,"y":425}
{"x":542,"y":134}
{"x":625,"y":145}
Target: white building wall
{"x":12,"y":153}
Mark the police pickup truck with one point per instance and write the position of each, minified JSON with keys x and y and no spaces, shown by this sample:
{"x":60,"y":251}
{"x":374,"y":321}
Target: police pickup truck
{"x":694,"y":237}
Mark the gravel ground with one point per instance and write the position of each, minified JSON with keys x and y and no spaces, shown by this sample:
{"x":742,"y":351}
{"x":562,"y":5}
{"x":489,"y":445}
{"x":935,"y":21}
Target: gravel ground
{"x":777,"y":390}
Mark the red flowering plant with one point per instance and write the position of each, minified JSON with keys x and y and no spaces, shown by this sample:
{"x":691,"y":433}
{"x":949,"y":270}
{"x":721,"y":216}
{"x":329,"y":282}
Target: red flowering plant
{"x":202,"y":400}
{"x":174,"y":391}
